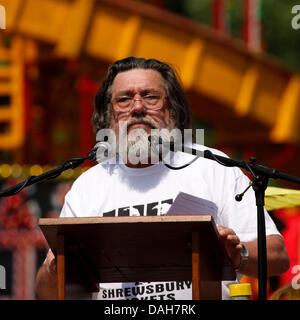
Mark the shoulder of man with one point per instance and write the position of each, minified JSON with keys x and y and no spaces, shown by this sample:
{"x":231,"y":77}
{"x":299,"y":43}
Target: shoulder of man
{"x":215,"y":165}
{"x":94,"y":172}
{"x":213,"y":150}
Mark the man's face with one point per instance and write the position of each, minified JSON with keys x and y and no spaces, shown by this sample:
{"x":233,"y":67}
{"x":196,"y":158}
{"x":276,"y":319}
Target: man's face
{"x":132,"y":92}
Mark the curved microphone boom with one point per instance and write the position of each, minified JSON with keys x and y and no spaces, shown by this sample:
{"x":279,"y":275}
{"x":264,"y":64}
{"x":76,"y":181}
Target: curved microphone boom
{"x":102,"y":151}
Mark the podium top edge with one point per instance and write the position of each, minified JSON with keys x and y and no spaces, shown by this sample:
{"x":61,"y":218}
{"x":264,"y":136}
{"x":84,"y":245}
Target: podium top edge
{"x":130,"y":219}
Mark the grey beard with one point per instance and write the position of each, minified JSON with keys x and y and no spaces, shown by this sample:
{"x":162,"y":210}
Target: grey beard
{"x":135,"y":147}
{"x":139,"y":149}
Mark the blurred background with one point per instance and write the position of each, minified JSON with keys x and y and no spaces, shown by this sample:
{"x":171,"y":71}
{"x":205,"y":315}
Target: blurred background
{"x":239,"y":65}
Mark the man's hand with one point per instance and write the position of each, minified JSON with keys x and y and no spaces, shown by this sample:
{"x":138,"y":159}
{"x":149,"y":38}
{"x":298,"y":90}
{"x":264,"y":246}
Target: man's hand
{"x":46,"y":280}
{"x":51,"y":263}
{"x":277,"y":257}
{"x":232,"y":244}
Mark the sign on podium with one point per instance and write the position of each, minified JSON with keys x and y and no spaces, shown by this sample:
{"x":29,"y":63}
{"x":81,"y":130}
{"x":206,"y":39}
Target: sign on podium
{"x":139,"y":249}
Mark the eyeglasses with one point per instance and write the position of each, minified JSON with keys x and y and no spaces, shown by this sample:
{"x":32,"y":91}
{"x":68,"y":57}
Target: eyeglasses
{"x":150,"y":101}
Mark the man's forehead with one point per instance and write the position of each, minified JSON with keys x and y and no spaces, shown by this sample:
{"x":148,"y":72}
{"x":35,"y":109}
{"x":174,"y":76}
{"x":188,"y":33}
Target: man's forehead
{"x":137,"y":79}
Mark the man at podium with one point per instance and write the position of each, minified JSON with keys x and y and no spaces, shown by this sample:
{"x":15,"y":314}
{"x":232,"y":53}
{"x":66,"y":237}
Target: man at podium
{"x":144,"y":95}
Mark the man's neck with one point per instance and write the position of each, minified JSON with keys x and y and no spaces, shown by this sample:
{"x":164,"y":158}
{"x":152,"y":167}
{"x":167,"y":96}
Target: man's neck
{"x":140,"y":165}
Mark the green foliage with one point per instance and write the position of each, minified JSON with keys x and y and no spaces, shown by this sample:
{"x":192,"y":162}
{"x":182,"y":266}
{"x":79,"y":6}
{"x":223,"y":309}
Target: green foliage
{"x":196,"y":10}
{"x":279,"y":38}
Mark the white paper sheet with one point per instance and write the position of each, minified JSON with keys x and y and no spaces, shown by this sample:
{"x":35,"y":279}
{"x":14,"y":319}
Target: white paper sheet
{"x":190,"y":205}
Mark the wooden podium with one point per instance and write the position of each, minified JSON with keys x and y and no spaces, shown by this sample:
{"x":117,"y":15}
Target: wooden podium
{"x":141,"y":249}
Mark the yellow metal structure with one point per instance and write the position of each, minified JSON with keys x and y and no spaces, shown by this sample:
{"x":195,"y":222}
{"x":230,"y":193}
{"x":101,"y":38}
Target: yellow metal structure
{"x":246,"y":87}
{"x":11,"y":93}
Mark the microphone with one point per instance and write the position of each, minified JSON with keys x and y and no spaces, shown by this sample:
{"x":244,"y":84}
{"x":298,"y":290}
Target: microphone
{"x":239,"y":197}
{"x":157,"y":141}
{"x":102,"y":151}
{"x":156,"y":144}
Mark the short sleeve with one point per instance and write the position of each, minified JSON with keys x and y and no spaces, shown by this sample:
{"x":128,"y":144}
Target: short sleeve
{"x":241,"y":216}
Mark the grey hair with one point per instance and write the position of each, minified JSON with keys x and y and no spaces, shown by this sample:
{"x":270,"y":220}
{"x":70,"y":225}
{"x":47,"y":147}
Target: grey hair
{"x":178,"y":104}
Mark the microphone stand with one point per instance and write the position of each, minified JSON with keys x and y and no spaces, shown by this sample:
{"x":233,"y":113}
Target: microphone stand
{"x":261,"y":175}
{"x":259,"y":184}
{"x":54,"y":173}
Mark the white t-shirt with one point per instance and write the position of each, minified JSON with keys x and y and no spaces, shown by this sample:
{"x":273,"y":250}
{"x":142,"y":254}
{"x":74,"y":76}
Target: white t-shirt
{"x":117,"y":190}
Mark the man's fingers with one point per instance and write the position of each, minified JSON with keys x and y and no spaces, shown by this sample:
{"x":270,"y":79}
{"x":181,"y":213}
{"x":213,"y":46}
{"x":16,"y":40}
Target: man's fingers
{"x":50,"y":261}
{"x":232,"y":244}
{"x":234,"y":239}
{"x":228,"y":235}
{"x":52,"y":266}
{"x":225,"y":231}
